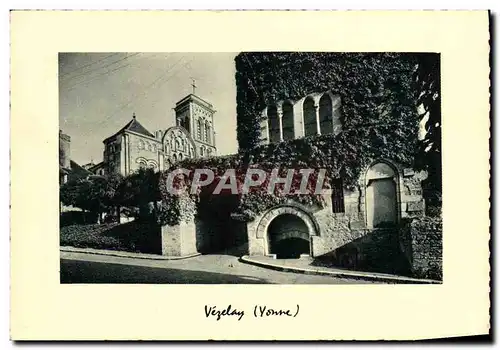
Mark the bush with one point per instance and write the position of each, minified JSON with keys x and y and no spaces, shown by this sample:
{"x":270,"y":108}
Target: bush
{"x":75,"y":217}
{"x":132,"y":237}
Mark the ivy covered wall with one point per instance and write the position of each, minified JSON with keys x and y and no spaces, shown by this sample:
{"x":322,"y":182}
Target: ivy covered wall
{"x":379,"y":93}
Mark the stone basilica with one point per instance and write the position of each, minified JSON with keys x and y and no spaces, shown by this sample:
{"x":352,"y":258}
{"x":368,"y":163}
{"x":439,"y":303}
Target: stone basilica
{"x":134,"y":147}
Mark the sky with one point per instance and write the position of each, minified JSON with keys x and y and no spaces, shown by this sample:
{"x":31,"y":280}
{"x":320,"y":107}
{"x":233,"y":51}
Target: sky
{"x":99,"y":92}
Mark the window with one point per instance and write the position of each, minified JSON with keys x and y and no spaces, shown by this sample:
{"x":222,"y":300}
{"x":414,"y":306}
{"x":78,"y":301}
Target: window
{"x":199,"y":129}
{"x":337,"y":196}
{"x":287,"y":121}
{"x":325,"y":114}
{"x":274,"y":124}
{"x":207,"y":132}
{"x":309,"y":112}
{"x":202,"y":151}
{"x":185,"y":123}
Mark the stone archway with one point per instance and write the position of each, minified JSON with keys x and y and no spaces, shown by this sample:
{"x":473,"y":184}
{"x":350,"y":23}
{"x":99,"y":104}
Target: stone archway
{"x":288,"y":237}
{"x":287,"y":232}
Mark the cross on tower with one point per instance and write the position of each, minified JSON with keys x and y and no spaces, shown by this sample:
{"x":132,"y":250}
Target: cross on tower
{"x":194,"y":85}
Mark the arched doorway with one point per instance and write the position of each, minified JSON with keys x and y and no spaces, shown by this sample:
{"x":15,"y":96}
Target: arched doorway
{"x":288,"y":237}
{"x":326,"y":114}
{"x":381,"y":196}
{"x":310,"y":127}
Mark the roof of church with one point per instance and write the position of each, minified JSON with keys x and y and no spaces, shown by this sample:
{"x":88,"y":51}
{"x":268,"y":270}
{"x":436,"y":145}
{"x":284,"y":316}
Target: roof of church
{"x":133,"y":126}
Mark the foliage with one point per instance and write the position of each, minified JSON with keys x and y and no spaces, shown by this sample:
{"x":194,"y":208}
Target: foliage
{"x":376,"y":90}
{"x":380,"y":93}
{"x":74,"y":217}
{"x":99,"y":194}
{"x":328,"y":152}
{"x":132,"y":237}
{"x":95,"y":194}
{"x":138,"y":188}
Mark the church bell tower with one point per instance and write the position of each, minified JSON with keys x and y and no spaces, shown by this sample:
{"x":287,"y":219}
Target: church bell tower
{"x":197,"y":116}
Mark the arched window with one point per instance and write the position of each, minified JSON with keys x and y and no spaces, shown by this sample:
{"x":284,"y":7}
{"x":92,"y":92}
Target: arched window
{"x":199,"y":131}
{"x":152,"y":164}
{"x":202,"y":151}
{"x":180,"y":156}
{"x":174,"y":158}
{"x":207,"y":132}
{"x":287,"y":121}
{"x":274,"y":124}
{"x":326,"y":114}
{"x":142,"y":163}
{"x":185,"y":123}
{"x":309,"y":112}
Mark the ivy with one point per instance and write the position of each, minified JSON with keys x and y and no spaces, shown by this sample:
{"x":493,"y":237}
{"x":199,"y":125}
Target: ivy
{"x":379,"y":94}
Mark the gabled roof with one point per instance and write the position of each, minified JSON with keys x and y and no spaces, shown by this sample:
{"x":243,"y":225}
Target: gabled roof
{"x":96,"y":167}
{"x":133,"y":126}
{"x":75,"y":171}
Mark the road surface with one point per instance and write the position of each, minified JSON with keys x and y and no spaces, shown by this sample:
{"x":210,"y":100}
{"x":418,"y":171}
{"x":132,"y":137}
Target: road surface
{"x":203,"y":269}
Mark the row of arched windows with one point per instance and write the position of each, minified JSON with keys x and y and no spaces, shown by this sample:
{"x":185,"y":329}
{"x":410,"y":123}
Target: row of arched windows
{"x":317,"y":119}
{"x":147,"y":163}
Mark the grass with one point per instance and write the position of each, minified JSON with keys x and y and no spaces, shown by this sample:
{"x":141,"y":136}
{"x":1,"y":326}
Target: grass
{"x":131,"y":237}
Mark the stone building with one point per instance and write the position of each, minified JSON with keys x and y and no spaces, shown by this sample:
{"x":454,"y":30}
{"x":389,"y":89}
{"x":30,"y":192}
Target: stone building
{"x":134,"y":147}
{"x":354,"y":227}
{"x":386,"y":195}
{"x":69,"y":170}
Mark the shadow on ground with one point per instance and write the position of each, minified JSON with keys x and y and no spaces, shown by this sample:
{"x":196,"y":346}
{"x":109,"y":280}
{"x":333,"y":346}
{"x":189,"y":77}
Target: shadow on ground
{"x":377,"y":251}
{"x":76,"y":271}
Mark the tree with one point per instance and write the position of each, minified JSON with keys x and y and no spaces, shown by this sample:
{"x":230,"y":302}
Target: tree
{"x":428,"y":83}
{"x":139,"y":190}
{"x":95,"y":194}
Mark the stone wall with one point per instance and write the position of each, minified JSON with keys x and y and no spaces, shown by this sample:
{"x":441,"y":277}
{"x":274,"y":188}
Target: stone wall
{"x":421,"y":241}
{"x":179,"y":240}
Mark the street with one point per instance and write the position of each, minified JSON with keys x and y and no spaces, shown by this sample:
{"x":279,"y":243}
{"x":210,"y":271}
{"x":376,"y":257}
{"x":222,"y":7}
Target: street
{"x":203,"y":269}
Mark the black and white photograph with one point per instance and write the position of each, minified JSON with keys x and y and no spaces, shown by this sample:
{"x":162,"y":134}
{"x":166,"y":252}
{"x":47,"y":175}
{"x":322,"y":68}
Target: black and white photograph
{"x":252,"y":167}
{"x":250,"y":175}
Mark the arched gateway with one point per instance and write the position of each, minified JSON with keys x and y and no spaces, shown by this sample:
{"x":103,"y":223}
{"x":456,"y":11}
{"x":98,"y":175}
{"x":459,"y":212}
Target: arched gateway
{"x":287,"y":232}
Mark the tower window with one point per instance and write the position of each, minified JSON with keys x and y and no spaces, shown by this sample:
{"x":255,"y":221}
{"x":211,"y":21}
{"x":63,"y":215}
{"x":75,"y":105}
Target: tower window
{"x":207,"y":132}
{"x":199,"y":133}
